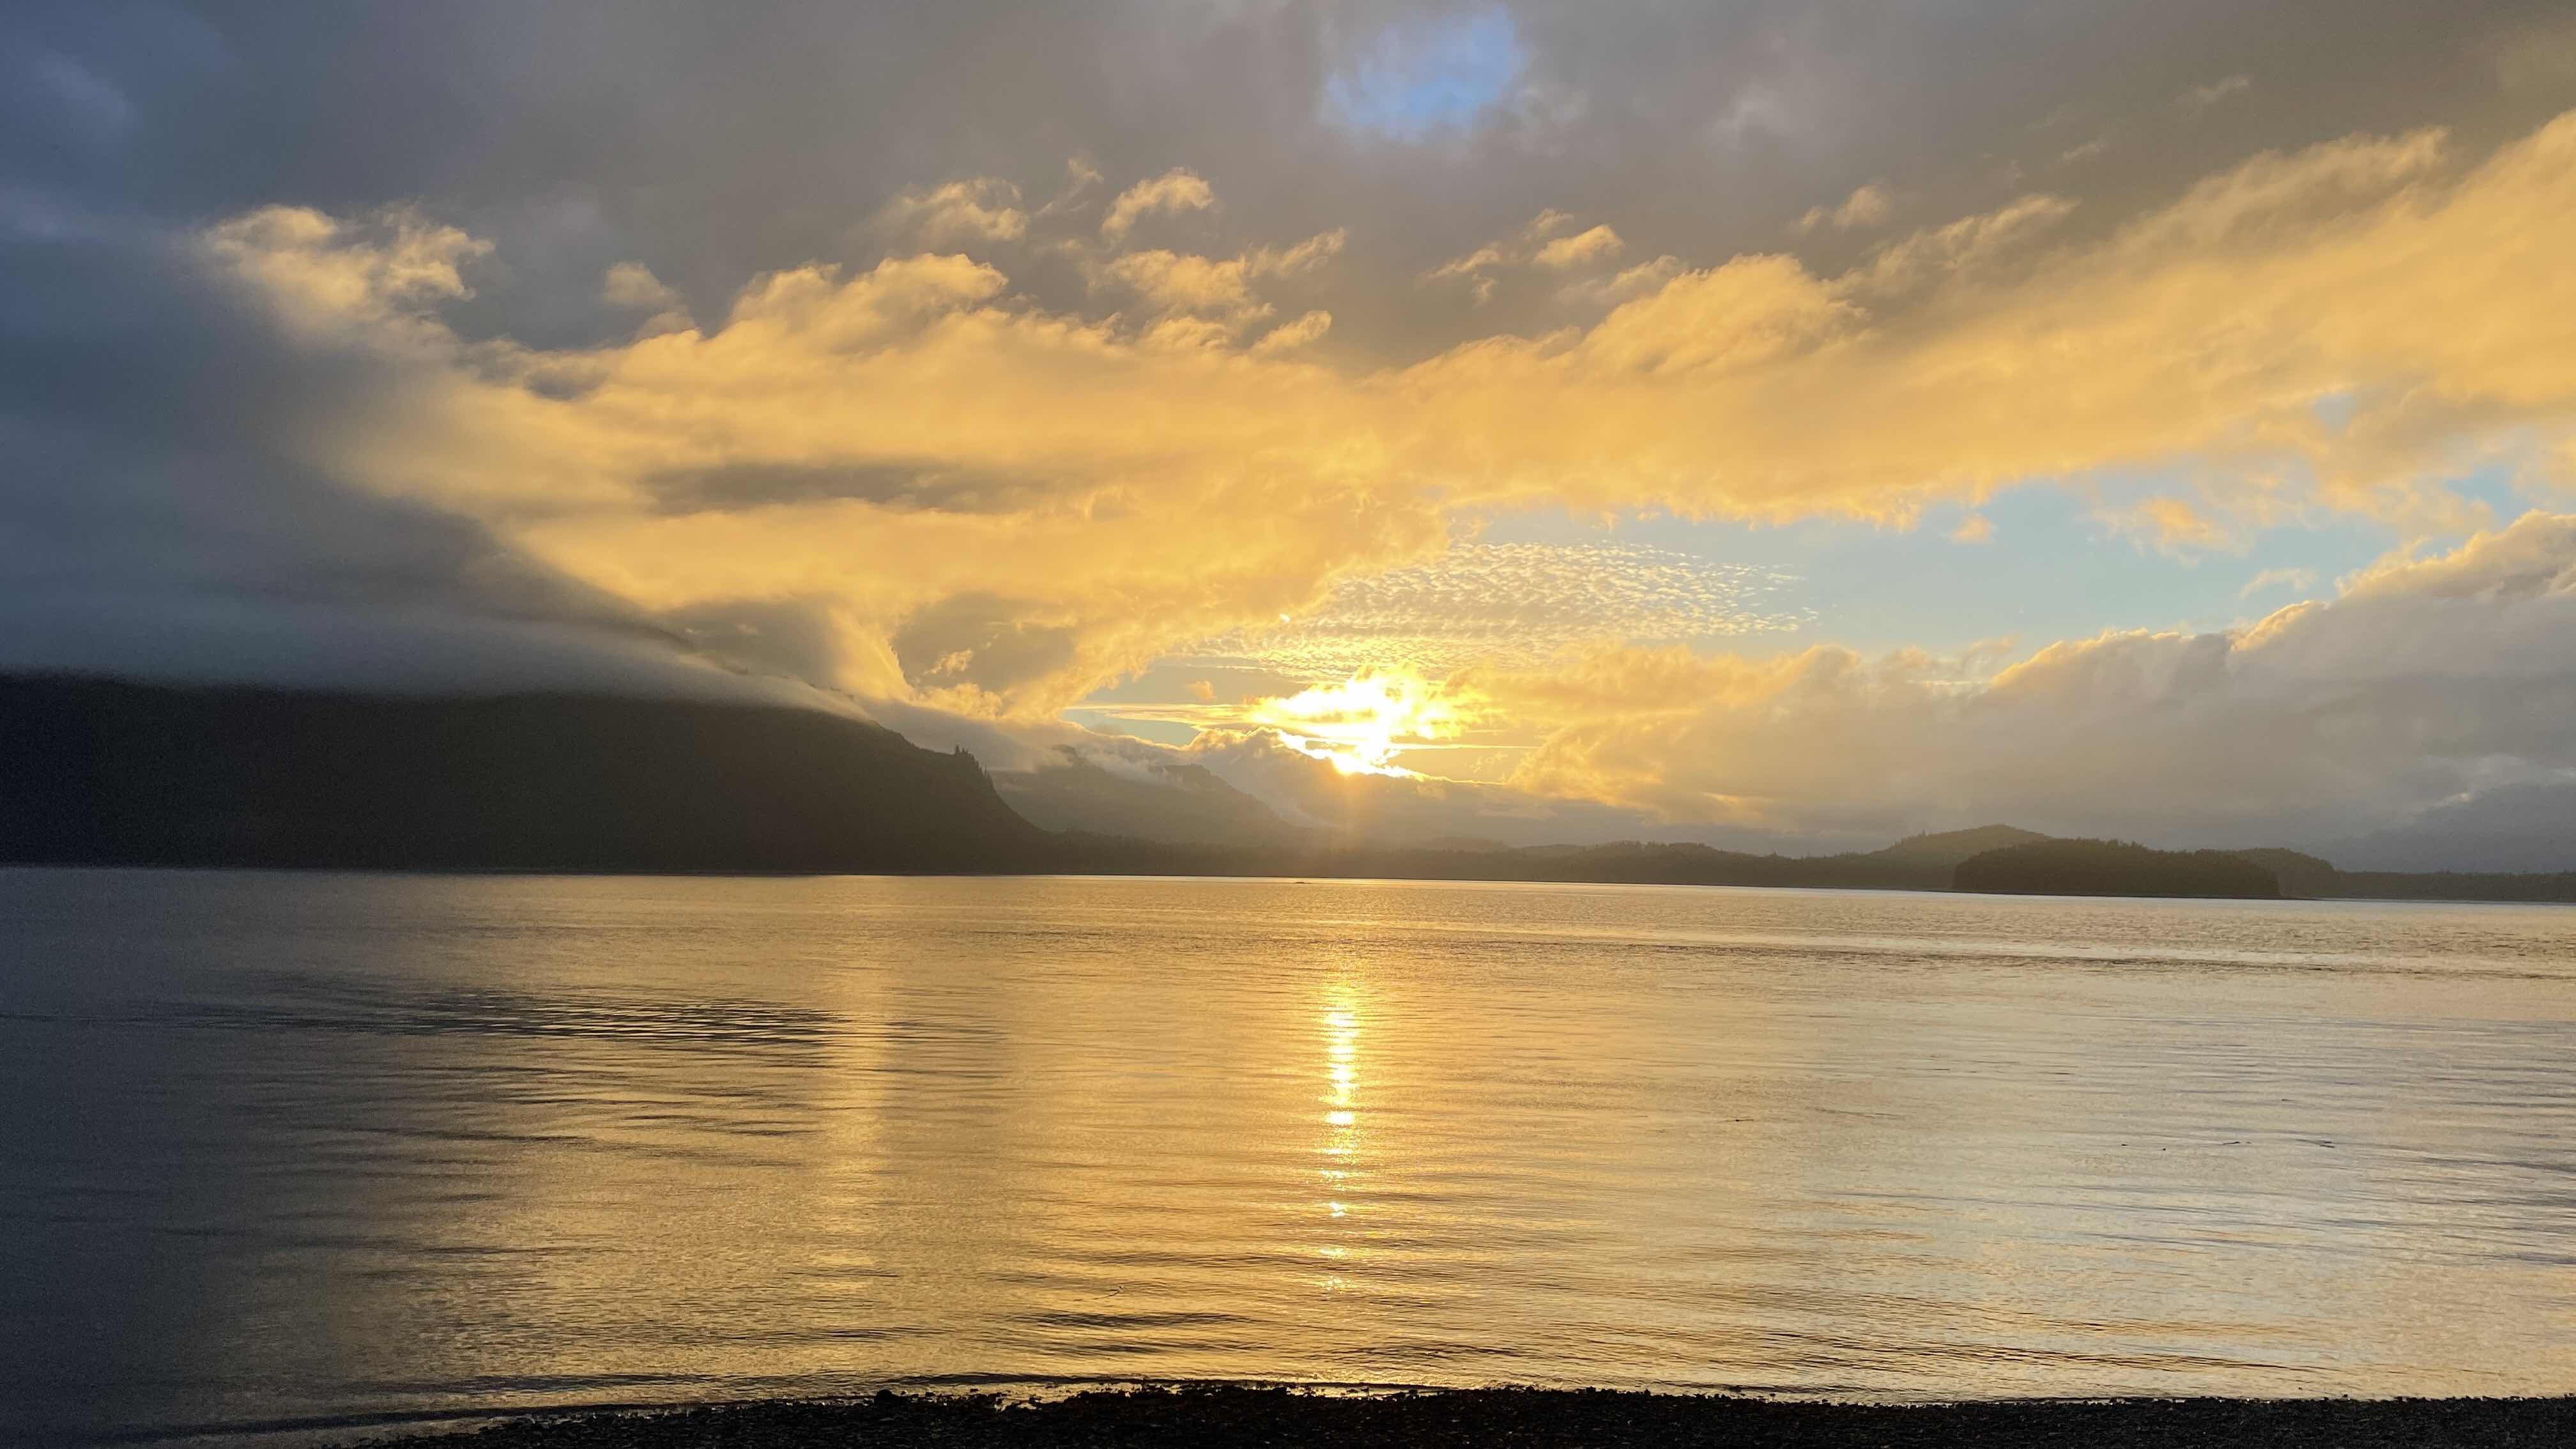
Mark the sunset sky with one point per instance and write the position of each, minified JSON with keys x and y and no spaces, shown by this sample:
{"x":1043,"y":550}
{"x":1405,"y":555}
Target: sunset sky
{"x":1775,"y":424}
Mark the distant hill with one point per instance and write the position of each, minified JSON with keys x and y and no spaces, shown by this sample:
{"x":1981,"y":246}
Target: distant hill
{"x":2455,"y":885}
{"x":2113,"y":868}
{"x":2318,"y":879}
{"x":1944,"y":849}
{"x":2300,"y":874}
{"x":1177,"y":804}
{"x":1626,"y":862}
{"x":98,"y":772}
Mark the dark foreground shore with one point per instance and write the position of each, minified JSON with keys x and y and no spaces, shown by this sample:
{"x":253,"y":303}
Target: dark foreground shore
{"x":1257,"y":1416}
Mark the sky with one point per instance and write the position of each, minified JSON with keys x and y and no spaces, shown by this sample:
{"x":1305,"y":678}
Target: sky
{"x":1784,"y":425}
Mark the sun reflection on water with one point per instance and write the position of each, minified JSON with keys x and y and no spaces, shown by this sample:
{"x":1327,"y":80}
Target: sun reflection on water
{"x":1340,"y":1171}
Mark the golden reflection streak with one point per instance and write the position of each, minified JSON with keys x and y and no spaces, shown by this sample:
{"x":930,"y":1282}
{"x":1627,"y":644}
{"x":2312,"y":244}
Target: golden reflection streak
{"x":1342,"y":1020}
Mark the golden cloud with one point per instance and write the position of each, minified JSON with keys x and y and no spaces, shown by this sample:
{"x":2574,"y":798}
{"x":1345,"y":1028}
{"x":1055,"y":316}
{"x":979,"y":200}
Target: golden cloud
{"x":997,"y":505}
{"x":1175,"y":190}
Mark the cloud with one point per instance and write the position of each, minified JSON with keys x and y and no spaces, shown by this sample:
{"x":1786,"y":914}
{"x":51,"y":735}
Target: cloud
{"x":1168,"y":483}
{"x":1177,"y":282}
{"x":1289,"y":335}
{"x":1305,"y":256}
{"x":1868,"y":205}
{"x":1176,"y":190}
{"x":1630,"y":283}
{"x":1975,"y":528}
{"x":2270,"y":579}
{"x":982,"y":209}
{"x":633,"y":285}
{"x":1524,"y":602}
{"x":2424,"y":681}
{"x":1082,"y":176}
{"x":1475,"y":268}
{"x":1972,"y":241}
{"x":95,"y":108}
{"x":2173,"y":525}
{"x":2537,"y":55}
{"x":1582,"y":249}
{"x":2202,"y":97}
{"x":1539,"y":245}
{"x":1549,"y":222}
{"x":323,"y":277}
{"x":158,"y":522}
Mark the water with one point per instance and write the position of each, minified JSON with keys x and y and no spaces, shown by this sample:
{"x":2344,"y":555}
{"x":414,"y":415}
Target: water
{"x":312,"y":1150}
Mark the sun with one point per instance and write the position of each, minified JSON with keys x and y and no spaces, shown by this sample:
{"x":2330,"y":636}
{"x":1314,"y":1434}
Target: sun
{"x":1361,"y":724}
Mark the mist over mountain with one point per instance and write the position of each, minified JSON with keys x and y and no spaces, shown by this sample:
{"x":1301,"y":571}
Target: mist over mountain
{"x":1181,"y":804}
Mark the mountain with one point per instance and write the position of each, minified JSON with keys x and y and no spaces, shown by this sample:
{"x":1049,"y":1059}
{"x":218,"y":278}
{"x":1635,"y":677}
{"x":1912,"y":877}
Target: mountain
{"x":94,"y":771}
{"x":100,"y":772}
{"x":1943,"y":850}
{"x":2300,"y":874}
{"x":2319,"y":879}
{"x":2112,"y":868}
{"x":1170,"y":803}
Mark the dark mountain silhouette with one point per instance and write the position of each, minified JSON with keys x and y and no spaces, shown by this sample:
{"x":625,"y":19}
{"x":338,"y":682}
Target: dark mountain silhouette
{"x":100,"y":772}
{"x":2299,"y":873}
{"x":2113,"y":868}
{"x":97,"y":772}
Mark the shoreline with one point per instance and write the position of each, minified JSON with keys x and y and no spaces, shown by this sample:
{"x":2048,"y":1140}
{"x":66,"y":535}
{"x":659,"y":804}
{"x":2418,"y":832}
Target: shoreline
{"x":1251,"y":1415}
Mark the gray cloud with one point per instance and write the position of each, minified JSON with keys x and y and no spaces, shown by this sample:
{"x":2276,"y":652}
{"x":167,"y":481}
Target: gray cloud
{"x":979,"y":639}
{"x":152,"y":523}
{"x":923,"y":485}
{"x":713,"y":143}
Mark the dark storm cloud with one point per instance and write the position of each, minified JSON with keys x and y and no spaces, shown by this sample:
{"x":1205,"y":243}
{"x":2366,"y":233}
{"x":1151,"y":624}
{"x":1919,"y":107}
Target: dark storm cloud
{"x":715,"y":142}
{"x":151,"y":522}
{"x":712,"y":142}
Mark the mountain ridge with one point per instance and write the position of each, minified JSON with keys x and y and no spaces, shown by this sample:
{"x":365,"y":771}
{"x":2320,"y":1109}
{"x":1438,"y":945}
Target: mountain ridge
{"x":98,"y":771}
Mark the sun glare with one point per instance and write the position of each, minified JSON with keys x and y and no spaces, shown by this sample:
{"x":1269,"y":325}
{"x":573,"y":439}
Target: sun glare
{"x":1360,"y":725}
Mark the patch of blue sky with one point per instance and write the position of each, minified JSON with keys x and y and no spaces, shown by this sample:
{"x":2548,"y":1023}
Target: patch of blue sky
{"x":2508,"y":490}
{"x":1426,"y":75}
{"x":2054,"y":566}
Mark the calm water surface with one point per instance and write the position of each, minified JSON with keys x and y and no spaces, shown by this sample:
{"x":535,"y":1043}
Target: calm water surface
{"x":285,"y":1148}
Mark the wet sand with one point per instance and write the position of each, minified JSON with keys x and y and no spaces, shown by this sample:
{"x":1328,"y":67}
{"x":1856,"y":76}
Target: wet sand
{"x":1265,"y":1416}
